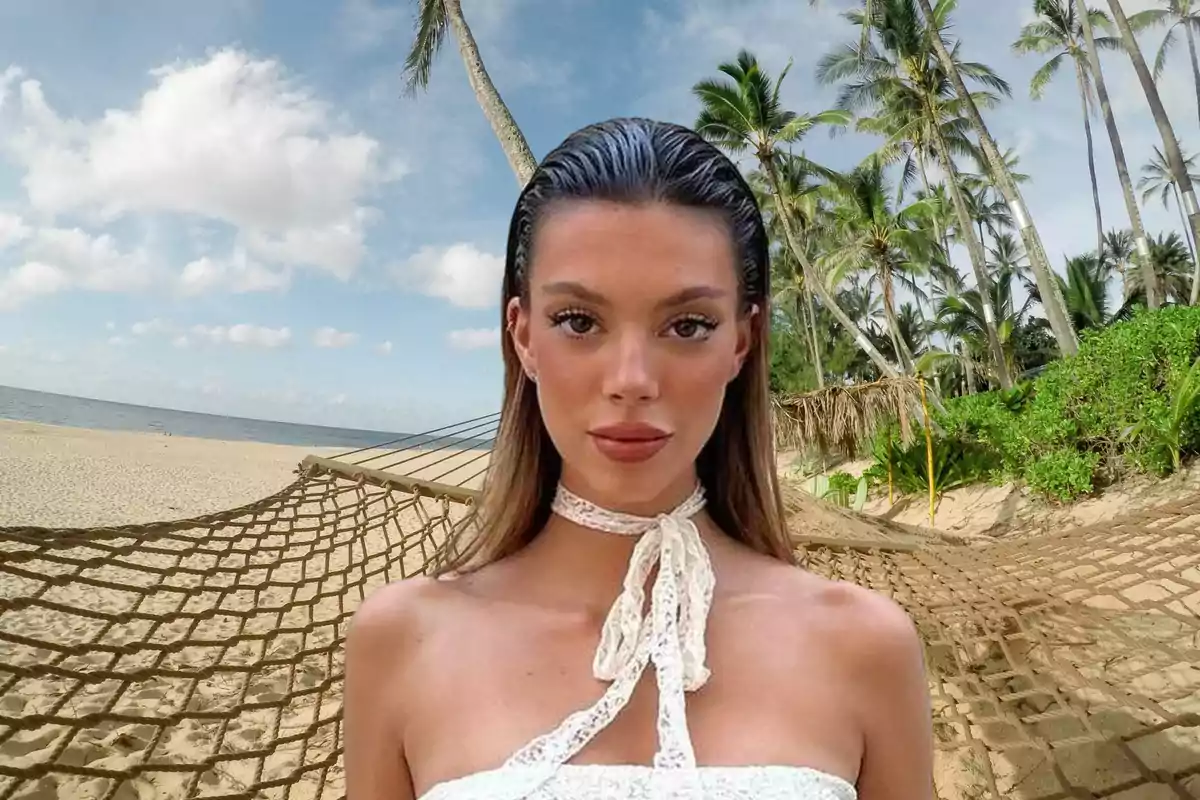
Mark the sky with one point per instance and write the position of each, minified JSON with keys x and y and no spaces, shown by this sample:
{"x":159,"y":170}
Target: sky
{"x":231,"y":206}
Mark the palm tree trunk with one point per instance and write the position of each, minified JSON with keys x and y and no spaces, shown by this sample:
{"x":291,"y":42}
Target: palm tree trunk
{"x":975,"y":251}
{"x":516,"y":149}
{"x":1187,"y":28}
{"x":1187,"y":234}
{"x":1153,"y":293}
{"x":813,"y":338}
{"x":1081,"y":80}
{"x":941,"y":235}
{"x":968,"y":367}
{"x":1170,"y":143}
{"x":1052,"y":300}
{"x":810,"y":276}
{"x":893,"y":324}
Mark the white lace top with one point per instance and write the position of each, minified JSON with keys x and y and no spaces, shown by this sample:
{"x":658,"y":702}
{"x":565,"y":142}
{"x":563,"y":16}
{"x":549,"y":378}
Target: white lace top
{"x":671,"y":636}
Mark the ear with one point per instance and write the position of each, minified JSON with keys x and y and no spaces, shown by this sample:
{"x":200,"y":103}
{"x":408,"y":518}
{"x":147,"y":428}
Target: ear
{"x":517,"y":328}
{"x":748,"y":327}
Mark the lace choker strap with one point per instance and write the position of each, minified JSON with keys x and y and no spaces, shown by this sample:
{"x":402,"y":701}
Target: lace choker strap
{"x":671,"y":633}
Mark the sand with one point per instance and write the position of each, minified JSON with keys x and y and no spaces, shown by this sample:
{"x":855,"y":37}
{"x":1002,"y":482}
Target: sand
{"x":1009,"y":510}
{"x":54,"y":476}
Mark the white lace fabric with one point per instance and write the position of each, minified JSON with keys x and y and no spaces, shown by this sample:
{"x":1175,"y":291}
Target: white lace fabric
{"x":671,"y":635}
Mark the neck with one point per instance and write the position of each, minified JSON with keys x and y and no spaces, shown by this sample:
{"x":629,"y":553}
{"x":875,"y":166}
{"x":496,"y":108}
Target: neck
{"x":582,"y":565}
{"x":626,"y":499}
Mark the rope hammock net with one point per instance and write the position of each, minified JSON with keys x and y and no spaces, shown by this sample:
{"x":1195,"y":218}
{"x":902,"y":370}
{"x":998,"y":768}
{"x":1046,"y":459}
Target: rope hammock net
{"x":203,"y":657}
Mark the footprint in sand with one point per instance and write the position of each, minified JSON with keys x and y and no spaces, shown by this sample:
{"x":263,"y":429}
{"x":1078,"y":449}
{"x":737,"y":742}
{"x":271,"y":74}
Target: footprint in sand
{"x":45,"y":789}
{"x":12,"y":704}
{"x":32,"y":742}
{"x":80,"y":755}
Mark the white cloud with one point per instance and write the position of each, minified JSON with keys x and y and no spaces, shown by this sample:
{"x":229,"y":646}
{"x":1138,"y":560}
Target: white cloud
{"x":243,"y":334}
{"x":181,"y":341}
{"x":12,"y":230}
{"x":31,"y":279}
{"x":384,"y":348}
{"x":110,"y":326}
{"x":235,"y":273}
{"x":151,"y":327}
{"x":229,"y":138}
{"x":338,"y":399}
{"x":57,"y":259}
{"x":332,"y":337}
{"x":474,"y":338}
{"x":460,"y":273}
{"x":118,"y":341}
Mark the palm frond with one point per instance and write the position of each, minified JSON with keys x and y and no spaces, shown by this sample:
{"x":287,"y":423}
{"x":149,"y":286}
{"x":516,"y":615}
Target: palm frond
{"x":430,"y":31}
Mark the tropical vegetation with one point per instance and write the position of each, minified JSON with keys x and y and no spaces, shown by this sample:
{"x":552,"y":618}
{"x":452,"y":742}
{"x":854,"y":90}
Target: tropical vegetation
{"x":923,"y":262}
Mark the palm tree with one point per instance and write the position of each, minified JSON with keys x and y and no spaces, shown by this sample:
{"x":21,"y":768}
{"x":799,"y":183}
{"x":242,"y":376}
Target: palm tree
{"x":1172,"y":264}
{"x":1058,"y":31}
{"x":871,"y":236}
{"x":1170,"y":142}
{"x":744,"y":113}
{"x":1157,"y":178}
{"x":1118,"y":251}
{"x":799,"y":192}
{"x":961,"y":317}
{"x":433,"y":19}
{"x":900,"y":80}
{"x":1086,"y":291}
{"x":1086,"y":17}
{"x":1180,"y":14}
{"x":1054,"y":306}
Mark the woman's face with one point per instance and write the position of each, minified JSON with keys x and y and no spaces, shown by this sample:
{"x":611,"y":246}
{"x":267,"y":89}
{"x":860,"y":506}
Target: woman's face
{"x":633,"y":332}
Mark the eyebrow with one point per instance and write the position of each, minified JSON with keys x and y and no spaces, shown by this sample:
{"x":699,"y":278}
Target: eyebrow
{"x":577,"y":290}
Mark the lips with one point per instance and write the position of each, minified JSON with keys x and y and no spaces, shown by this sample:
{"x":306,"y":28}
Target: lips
{"x":629,"y":442}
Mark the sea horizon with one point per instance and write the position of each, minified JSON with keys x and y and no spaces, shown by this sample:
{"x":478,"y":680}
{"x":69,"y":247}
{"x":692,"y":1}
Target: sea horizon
{"x":51,"y":408}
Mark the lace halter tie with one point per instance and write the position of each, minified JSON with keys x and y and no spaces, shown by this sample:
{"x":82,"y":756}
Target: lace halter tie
{"x":681,"y":595}
{"x":670,"y":635}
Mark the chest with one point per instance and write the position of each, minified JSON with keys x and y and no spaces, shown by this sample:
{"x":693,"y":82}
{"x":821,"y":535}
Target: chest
{"x":770,"y":699}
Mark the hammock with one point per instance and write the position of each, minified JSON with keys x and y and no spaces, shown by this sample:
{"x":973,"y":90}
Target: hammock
{"x":203,"y":657}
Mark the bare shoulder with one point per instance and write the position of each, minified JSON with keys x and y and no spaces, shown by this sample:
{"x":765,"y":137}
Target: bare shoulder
{"x":874,"y":653}
{"x":385,"y":633}
{"x":395,"y":618}
{"x":865,"y":631}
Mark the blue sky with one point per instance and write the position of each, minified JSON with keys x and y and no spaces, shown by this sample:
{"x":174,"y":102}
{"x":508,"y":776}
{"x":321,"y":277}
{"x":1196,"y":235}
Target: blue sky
{"x":230,"y":207}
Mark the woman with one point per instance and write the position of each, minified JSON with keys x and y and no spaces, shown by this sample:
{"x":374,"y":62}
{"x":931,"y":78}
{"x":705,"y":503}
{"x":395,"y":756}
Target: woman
{"x":634,"y":452}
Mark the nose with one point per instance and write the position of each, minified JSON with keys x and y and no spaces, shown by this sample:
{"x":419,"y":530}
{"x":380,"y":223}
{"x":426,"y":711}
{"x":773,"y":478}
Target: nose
{"x":630,"y":376}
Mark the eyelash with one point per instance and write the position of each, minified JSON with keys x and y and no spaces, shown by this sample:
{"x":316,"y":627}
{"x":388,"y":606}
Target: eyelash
{"x":706,"y":324}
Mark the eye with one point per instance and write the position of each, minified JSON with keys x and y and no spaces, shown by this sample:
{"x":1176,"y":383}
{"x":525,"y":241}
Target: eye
{"x":694,"y":327}
{"x":574,"y":322}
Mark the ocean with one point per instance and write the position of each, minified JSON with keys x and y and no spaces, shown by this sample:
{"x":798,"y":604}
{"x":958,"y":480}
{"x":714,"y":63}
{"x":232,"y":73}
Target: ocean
{"x":82,"y":412}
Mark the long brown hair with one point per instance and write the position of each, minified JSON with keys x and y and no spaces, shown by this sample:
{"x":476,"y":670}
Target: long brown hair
{"x":635,"y":161}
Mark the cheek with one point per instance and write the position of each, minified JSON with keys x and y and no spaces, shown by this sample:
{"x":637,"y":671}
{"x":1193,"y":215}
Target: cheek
{"x":697,"y":386}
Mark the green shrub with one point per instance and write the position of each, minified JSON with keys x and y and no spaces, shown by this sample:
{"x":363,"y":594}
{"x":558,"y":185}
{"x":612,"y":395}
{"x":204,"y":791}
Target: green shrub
{"x":842,"y":489}
{"x":956,"y":463}
{"x":1123,"y":404}
{"x":1123,"y":375}
{"x":1063,"y":474}
{"x":843,"y":483}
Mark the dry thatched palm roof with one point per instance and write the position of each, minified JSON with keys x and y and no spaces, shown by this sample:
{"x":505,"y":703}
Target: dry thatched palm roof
{"x":844,"y":418}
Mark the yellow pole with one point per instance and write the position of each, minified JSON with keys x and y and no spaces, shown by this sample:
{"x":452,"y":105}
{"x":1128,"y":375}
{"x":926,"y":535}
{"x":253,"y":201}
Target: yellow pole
{"x":928,"y":449}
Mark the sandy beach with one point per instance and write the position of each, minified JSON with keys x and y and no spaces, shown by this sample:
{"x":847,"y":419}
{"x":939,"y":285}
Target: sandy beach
{"x":54,"y":476}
